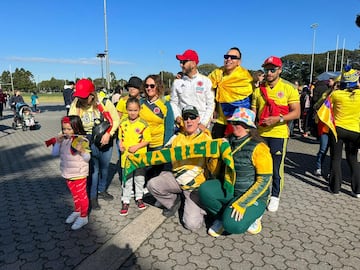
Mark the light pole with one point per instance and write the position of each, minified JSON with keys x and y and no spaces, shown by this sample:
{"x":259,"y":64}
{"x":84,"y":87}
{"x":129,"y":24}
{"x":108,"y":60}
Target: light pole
{"x":313,"y":26}
{"x":106,"y":49}
{"x":101,"y":56}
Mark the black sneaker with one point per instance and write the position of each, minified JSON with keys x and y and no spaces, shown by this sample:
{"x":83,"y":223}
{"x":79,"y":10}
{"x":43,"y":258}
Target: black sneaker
{"x":170,"y":212}
{"x":94,"y":204}
{"x":105,"y":196}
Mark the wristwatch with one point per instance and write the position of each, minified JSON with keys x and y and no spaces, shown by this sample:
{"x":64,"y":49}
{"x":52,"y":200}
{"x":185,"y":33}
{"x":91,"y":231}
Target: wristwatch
{"x":281,"y":119}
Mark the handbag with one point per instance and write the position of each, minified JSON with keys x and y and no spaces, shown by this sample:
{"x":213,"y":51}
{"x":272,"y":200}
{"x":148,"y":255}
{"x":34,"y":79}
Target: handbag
{"x":101,"y":126}
{"x":271,"y":108}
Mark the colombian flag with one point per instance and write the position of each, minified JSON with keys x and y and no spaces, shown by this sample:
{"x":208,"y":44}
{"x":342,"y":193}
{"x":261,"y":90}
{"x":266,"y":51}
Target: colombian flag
{"x":326,"y":115}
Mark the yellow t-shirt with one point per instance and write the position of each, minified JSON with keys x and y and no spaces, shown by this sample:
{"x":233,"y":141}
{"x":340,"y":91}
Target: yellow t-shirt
{"x":155,"y":117}
{"x":133,"y":133}
{"x":346,"y":108}
{"x":121,"y":107}
{"x":283,"y":93}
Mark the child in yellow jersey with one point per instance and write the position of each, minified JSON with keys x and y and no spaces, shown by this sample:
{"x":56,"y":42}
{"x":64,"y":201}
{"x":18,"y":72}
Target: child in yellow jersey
{"x":134,"y":136}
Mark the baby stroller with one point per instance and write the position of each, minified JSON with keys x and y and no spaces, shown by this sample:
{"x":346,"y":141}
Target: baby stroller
{"x":23,"y":117}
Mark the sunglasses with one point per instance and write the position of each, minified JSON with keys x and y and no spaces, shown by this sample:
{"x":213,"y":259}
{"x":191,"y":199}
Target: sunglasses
{"x":272,"y":70}
{"x":152,"y":86}
{"x":232,"y":57}
{"x":190,"y":116}
{"x":183,"y":62}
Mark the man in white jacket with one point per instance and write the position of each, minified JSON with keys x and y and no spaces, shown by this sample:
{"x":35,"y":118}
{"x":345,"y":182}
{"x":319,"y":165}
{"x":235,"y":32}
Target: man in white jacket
{"x":192,"y":89}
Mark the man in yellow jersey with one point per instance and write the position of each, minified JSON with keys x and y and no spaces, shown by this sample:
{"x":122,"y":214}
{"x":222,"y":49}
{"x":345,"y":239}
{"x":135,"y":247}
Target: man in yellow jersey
{"x":233,"y":87}
{"x":274,"y":128}
{"x":186,"y":175}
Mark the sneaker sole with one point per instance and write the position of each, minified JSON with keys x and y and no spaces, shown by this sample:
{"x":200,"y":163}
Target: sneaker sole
{"x":258,"y":230}
{"x":212,"y":233}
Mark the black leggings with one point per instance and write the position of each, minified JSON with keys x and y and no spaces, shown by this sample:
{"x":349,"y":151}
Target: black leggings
{"x":351,"y":140}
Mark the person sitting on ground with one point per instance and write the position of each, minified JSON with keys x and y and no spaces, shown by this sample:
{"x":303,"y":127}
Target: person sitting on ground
{"x":241,"y":211}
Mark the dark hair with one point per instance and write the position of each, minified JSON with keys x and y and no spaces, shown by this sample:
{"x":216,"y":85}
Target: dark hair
{"x":236,"y":49}
{"x":133,"y":100}
{"x":158,"y":83}
{"x":76,"y":124}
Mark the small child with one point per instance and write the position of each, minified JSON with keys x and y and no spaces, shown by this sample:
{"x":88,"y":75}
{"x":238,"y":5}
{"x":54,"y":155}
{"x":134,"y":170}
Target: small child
{"x":73,"y":148}
{"x":134,"y":136}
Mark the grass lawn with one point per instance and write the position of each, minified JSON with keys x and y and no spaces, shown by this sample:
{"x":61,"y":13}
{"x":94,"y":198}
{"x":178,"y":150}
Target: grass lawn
{"x":45,"y":98}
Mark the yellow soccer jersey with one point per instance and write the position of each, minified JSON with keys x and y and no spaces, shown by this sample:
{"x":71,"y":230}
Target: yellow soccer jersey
{"x":283,"y":93}
{"x":346,"y":108}
{"x":133,"y":133}
{"x":121,"y":107}
{"x":154,"y":114}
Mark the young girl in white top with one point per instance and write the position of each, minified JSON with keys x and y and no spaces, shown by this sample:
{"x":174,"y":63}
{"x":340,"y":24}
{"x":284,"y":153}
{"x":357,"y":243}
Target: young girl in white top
{"x":73,"y":148}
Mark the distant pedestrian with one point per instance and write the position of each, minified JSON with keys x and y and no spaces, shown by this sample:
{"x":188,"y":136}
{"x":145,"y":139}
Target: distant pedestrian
{"x":3,"y":100}
{"x":134,"y":136}
{"x":73,"y":148}
{"x":68,"y":95}
{"x":17,"y":98}
{"x":34,"y":101}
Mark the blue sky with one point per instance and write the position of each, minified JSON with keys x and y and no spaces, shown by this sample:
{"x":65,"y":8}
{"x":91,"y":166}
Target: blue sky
{"x":61,"y":38}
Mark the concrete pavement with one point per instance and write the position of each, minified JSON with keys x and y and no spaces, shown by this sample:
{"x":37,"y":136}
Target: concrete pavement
{"x":313,"y":229}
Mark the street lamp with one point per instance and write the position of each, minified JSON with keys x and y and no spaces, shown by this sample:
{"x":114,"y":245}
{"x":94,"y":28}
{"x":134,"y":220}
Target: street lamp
{"x":106,"y":48}
{"x":101,"y":56}
{"x":313,"y":26}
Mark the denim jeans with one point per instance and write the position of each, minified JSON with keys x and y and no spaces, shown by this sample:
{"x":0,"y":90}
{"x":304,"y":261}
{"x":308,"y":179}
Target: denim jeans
{"x":99,"y":169}
{"x":324,"y":145}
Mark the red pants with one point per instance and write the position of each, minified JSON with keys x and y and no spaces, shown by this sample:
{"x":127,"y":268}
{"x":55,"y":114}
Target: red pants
{"x":79,"y":194}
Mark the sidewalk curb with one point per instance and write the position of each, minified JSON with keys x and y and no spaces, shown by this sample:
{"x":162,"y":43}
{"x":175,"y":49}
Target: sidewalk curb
{"x":117,"y":250}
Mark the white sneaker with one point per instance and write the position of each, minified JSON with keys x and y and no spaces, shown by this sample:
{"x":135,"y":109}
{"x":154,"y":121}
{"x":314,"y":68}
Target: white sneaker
{"x":273,"y":204}
{"x":256,"y":227}
{"x":72,"y":217}
{"x":216,"y":229}
{"x":356,"y":195}
{"x":317,"y":172}
{"x":79,"y":222}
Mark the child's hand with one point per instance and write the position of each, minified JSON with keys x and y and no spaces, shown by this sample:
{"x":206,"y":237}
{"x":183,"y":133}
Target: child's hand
{"x":60,"y":138}
{"x":121,"y":148}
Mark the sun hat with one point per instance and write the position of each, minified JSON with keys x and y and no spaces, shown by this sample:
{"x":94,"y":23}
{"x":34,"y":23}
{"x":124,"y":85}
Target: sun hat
{"x":350,"y":77}
{"x":188,"y":55}
{"x":243,"y":115}
{"x":84,"y":88}
{"x":135,"y":82}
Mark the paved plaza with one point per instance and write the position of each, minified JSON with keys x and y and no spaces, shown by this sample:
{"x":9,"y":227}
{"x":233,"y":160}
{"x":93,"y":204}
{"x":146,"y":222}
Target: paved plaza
{"x":312,"y":229}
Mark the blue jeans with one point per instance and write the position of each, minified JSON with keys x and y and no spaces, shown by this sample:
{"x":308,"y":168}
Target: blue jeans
{"x":99,"y":169}
{"x":324,"y":145}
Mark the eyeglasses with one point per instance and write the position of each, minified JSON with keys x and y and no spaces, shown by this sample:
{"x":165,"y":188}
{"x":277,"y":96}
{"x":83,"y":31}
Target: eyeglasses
{"x":232,"y":57}
{"x":272,"y":70}
{"x":183,"y":62}
{"x":152,"y":86}
{"x":190,"y":116}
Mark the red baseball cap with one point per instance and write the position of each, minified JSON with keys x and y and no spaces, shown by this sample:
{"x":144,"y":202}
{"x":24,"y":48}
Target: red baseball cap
{"x":273,"y":60}
{"x":84,"y":88}
{"x":188,"y":55}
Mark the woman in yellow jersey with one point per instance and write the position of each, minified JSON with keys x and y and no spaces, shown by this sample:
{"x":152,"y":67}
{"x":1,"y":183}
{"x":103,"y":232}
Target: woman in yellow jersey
{"x":157,"y":112}
{"x":346,"y":108}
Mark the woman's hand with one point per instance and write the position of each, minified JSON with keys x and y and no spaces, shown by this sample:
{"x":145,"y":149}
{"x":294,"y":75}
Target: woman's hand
{"x":105,"y":139}
{"x":235,"y":214}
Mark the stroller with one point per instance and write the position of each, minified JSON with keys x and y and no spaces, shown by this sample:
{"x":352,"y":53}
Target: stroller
{"x":23,"y":117}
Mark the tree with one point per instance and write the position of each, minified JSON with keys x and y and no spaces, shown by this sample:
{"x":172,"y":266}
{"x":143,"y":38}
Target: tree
{"x":206,"y":69}
{"x":23,"y":80}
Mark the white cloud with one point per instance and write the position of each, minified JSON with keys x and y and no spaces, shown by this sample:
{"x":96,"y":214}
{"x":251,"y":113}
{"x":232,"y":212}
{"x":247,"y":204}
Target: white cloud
{"x":80,"y":61}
